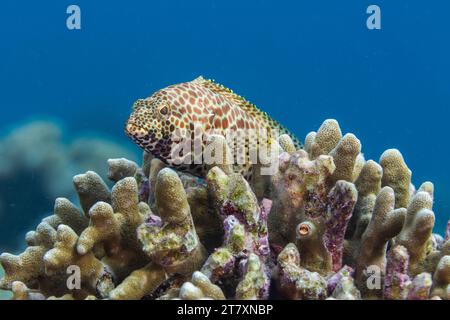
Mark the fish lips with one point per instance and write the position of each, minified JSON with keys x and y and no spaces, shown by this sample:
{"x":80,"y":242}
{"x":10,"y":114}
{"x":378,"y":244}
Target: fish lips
{"x":134,"y":131}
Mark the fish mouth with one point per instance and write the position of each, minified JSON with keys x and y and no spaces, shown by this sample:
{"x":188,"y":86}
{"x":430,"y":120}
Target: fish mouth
{"x":135,"y":131}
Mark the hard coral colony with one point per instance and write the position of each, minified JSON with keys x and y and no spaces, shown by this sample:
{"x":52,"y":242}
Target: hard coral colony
{"x":336,"y":227}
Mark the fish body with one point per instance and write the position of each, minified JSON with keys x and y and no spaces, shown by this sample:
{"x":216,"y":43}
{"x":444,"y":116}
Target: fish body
{"x":191,"y":109}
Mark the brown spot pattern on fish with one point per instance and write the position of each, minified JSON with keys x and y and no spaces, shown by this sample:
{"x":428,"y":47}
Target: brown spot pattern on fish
{"x":178,"y":109}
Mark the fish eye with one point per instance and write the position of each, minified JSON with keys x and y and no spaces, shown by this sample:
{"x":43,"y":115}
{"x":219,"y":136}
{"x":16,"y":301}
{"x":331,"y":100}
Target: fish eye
{"x":164,"y":111}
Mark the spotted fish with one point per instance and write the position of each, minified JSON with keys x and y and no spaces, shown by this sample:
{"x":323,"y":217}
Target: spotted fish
{"x":199,"y":105}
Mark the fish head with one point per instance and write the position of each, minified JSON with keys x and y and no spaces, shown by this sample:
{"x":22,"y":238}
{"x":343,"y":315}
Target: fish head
{"x":152,"y":123}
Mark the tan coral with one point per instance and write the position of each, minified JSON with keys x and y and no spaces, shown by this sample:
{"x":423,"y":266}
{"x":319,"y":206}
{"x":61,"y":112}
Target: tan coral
{"x":368,"y":185}
{"x":65,"y":212}
{"x":155,"y":167}
{"x":103,"y":228}
{"x":146,"y":163}
{"x":171,"y":240}
{"x":295,"y":282}
{"x":199,"y":288}
{"x":344,"y":157}
{"x":114,"y":227}
{"x":139,"y":283}
{"x":208,"y":289}
{"x":207,"y":222}
{"x":94,"y":274}
{"x":309,"y":140}
{"x":299,"y":189}
{"x":360,"y":162}
{"x":397,"y":176}
{"x":416,"y":233}
{"x":286,"y":143}
{"x":420,"y":287}
{"x":386,"y":223}
{"x":90,"y":189}
{"x":427,"y":187}
{"x":326,"y":138}
{"x":254,"y":281}
{"x":128,"y":210}
{"x":315,"y":256}
{"x":441,"y":285}
{"x":22,"y":292}
{"x":109,"y":231}
{"x":121,"y":168}
{"x":27,"y":267}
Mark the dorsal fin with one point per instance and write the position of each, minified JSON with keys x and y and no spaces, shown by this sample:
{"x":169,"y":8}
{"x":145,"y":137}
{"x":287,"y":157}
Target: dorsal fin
{"x":245,"y":105}
{"x":229,"y":95}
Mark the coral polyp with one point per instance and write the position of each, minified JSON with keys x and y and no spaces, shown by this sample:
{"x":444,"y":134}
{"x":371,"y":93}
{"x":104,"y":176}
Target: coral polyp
{"x":328,"y":224}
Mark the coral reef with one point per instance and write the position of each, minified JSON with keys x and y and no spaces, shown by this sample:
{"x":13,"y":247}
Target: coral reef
{"x":296,"y":282}
{"x":199,"y":288}
{"x":329,"y":224}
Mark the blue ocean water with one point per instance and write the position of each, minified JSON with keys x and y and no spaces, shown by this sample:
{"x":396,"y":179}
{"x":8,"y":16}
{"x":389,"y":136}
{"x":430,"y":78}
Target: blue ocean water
{"x":301,"y":61}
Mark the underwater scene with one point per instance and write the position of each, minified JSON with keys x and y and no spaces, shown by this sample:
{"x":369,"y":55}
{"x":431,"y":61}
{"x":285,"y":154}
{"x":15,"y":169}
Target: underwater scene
{"x":242,"y":150}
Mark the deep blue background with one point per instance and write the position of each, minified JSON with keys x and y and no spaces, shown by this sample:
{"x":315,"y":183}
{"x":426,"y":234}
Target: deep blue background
{"x":302,"y":61}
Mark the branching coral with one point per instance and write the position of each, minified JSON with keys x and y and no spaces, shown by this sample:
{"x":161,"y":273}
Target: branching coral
{"x":386,"y":223}
{"x":95,"y":276}
{"x":397,"y":281}
{"x":103,"y":245}
{"x":416,"y":233}
{"x":346,"y":290}
{"x":139,"y":283}
{"x":296,"y":282}
{"x":441,"y":284}
{"x":318,"y":196}
{"x":170,"y":239}
{"x":336,"y":227}
{"x":397,"y":176}
{"x":242,"y":258}
{"x":341,"y":285}
{"x":199,"y":288}
{"x":420,"y":287}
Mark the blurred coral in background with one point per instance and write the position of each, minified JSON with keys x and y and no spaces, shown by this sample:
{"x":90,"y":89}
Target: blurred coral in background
{"x":37,"y":162}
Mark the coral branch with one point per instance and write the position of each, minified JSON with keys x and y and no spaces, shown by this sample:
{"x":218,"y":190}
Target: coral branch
{"x":386,"y":223}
